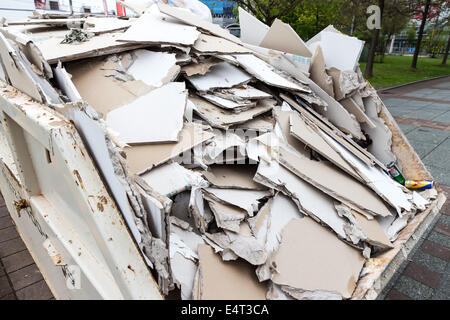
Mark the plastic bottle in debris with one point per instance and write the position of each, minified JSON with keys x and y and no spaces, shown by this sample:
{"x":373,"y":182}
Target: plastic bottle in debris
{"x":395,"y":173}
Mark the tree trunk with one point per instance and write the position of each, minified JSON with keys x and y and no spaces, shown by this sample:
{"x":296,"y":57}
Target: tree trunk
{"x":368,"y":73}
{"x":444,"y":60}
{"x":419,"y":38}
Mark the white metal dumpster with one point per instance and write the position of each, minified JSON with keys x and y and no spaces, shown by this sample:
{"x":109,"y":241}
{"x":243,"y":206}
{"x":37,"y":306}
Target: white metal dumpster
{"x":61,"y":208}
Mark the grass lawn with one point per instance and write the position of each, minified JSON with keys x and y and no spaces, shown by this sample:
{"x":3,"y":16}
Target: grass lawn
{"x":396,"y":70}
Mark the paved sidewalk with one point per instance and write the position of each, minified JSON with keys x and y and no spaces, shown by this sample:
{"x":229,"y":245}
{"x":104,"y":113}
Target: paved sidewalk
{"x":423,"y":112}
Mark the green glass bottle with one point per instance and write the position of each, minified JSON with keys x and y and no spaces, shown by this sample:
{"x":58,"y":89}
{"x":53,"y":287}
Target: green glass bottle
{"x":395,"y":173}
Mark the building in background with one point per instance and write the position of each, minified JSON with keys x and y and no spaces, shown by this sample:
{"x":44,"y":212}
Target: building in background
{"x":222,"y":11}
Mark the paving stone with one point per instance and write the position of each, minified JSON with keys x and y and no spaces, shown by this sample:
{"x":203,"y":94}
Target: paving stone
{"x":438,"y":106}
{"x":436,"y":250}
{"x":2,"y":201}
{"x":425,"y":114}
{"x":423,"y":149}
{"x":25,"y":277}
{"x":393,"y":102}
{"x":443,"y":290}
{"x":422,"y":274}
{"x":10,"y":296}
{"x":440,"y":175}
{"x":445,"y":220}
{"x":396,"y":295}
{"x":423,"y":93}
{"x":8,"y":234}
{"x":17,"y":261}
{"x":440,"y":238}
{"x":406,"y":128}
{"x":413,"y":288}
{"x":438,"y":157}
{"x":427,"y":135}
{"x":11,"y":246}
{"x":4,"y":211}
{"x":5,"y":288}
{"x":5,"y":222}
{"x":36,"y":291}
{"x":428,"y":260}
{"x":443,"y":85}
{"x":442,"y":228}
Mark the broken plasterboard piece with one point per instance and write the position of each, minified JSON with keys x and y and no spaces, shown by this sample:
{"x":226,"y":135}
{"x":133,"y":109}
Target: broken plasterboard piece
{"x":143,"y":158}
{"x":282,"y":210}
{"x":309,"y":199}
{"x":154,"y":27}
{"x":221,"y":75}
{"x":283,"y":38}
{"x":308,"y":134}
{"x":253,"y":31}
{"x":243,"y":93}
{"x":212,"y":45}
{"x":318,"y":72}
{"x":199,"y":68}
{"x":242,"y":243}
{"x":192,"y":19}
{"x":152,"y":118}
{"x":221,"y":280}
{"x":249,"y":200}
{"x":172,"y":179}
{"x":164,"y":67}
{"x":229,"y":104}
{"x":227,"y":216}
{"x":223,"y":119}
{"x":377,"y":179}
{"x":351,"y":106}
{"x":311,"y":258}
{"x":341,"y":51}
{"x":233,"y":177}
{"x":345,"y":83}
{"x":265,"y":73}
{"x":99,"y":25}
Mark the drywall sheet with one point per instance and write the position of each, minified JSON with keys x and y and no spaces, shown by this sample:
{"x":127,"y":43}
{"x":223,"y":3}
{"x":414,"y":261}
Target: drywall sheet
{"x":152,"y":118}
{"x":283,"y":38}
{"x":309,"y":199}
{"x":227,"y":216}
{"x":156,"y":215}
{"x":99,"y":25}
{"x":311,"y":258}
{"x":318,"y":72}
{"x":307,"y":133}
{"x":265,"y":73}
{"x":334,"y":182}
{"x":229,"y":104}
{"x":199,"y":68}
{"x":53,"y":50}
{"x":155,"y":69}
{"x":373,"y":231}
{"x":282,"y":211}
{"x":207,"y":44}
{"x":244,"y":92}
{"x":154,"y":27}
{"x":102,"y":92}
{"x":233,"y":177}
{"x":253,"y":31}
{"x":192,"y":19}
{"x":259,"y":124}
{"x":52,"y":22}
{"x":377,"y":179}
{"x":223,"y":119}
{"x":350,"y":105}
{"x":248,"y":200}
{"x":221,"y":75}
{"x":341,"y":51}
{"x":171,"y":179}
{"x":234,"y":280}
{"x":144,"y":157}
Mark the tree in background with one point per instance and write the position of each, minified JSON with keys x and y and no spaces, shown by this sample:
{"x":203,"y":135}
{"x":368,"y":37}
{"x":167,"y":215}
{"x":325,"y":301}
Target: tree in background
{"x":269,"y":10}
{"x":368,"y":73}
{"x":423,"y":15}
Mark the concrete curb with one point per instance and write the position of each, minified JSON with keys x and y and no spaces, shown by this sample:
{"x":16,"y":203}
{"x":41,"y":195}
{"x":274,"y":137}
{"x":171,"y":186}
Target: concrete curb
{"x":410,"y":83}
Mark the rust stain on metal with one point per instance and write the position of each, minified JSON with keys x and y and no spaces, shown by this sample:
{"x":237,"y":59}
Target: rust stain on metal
{"x":100,"y":206}
{"x":77,"y":174}
{"x":131,"y":268}
{"x":103,"y":199}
